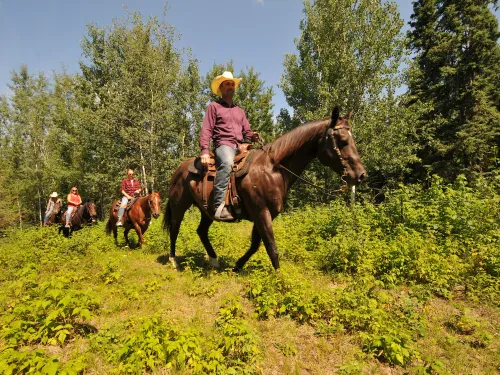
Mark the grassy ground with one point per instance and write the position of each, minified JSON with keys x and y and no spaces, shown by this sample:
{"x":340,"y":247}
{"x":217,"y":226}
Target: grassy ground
{"x":131,"y":285}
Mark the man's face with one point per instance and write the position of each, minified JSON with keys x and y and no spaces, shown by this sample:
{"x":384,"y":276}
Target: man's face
{"x":227,"y":88}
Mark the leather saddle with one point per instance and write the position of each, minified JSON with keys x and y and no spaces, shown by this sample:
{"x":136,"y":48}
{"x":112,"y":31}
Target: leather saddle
{"x":202,"y":182}
{"x":129,"y":204}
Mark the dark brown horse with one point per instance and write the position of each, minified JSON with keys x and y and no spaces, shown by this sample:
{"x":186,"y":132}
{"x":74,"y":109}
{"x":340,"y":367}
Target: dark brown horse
{"x":85,"y":214}
{"x":272,"y":172}
{"x":138,"y":217}
{"x":55,"y":215}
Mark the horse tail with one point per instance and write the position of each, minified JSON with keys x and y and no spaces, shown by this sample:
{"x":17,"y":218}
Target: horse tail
{"x":167,"y":218}
{"x":109,"y":227}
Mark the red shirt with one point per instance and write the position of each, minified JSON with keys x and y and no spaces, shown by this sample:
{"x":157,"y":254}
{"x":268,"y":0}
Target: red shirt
{"x":225,"y":124}
{"x":130,"y":186}
{"x":74,"y":200}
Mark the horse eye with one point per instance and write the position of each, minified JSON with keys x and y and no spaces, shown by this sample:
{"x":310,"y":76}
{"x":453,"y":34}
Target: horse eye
{"x":343,"y":143}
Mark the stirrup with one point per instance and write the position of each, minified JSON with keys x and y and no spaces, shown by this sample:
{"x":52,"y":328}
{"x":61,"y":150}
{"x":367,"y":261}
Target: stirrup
{"x":218,"y":213}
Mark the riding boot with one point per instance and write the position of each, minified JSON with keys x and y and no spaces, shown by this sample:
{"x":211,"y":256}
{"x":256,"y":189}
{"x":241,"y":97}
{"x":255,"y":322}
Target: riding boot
{"x":223,"y":214}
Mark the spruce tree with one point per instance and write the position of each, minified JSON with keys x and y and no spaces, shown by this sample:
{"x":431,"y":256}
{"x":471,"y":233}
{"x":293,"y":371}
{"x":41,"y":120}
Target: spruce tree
{"x":455,"y":75}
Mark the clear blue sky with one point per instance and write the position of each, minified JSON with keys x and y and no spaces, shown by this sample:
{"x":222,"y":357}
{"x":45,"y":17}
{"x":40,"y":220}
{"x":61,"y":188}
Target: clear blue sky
{"x":45,"y":35}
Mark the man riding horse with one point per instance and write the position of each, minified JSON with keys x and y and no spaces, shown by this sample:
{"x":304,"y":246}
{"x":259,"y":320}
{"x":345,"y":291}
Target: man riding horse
{"x":130,"y":188}
{"x":227,"y":125}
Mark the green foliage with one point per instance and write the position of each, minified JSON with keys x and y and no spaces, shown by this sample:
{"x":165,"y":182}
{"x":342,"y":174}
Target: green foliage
{"x":49,"y":313}
{"x":153,"y":344}
{"x":454,"y":76}
{"x":110,"y":274}
{"x":28,"y":362}
{"x":349,"y":54}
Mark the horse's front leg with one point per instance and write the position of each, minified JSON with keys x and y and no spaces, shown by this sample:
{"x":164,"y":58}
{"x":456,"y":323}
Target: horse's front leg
{"x":138,"y":230}
{"x":264,"y":224}
{"x":254,"y":246}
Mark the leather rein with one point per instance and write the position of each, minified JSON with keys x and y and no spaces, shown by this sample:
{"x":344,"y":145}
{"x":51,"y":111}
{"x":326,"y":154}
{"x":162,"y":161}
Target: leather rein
{"x":330,"y":133}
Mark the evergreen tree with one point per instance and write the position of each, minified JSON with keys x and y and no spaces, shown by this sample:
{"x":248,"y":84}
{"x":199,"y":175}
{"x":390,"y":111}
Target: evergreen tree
{"x":349,"y":54}
{"x":455,"y":75}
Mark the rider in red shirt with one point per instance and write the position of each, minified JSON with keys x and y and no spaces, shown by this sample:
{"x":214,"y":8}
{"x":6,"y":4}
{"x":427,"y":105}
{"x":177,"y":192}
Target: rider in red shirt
{"x":74,"y":200}
{"x":130,"y":187}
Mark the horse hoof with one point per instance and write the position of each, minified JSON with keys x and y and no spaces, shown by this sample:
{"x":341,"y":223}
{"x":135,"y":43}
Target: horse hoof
{"x":173,"y":262}
{"x":236,"y":269}
{"x":215,"y":263}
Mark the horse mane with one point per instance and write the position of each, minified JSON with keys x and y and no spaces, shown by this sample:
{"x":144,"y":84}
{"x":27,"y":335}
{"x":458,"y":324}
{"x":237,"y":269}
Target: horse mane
{"x":290,"y":142}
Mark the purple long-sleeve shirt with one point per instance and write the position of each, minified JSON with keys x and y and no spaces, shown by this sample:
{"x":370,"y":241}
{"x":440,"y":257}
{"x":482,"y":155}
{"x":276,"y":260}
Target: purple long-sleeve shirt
{"x":225,"y":124}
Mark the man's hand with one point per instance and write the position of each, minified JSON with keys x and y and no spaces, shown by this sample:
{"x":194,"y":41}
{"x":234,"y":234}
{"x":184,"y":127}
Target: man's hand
{"x":255,"y":137}
{"x":205,"y":159}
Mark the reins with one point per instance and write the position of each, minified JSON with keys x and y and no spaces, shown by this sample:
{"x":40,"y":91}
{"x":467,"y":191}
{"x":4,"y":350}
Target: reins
{"x":329,"y":134}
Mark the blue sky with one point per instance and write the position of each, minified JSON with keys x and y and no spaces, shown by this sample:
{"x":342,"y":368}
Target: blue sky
{"x":45,"y":35}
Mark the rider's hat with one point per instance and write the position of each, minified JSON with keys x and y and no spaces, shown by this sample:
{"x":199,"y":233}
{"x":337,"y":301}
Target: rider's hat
{"x":53,"y":195}
{"x":226,"y":76}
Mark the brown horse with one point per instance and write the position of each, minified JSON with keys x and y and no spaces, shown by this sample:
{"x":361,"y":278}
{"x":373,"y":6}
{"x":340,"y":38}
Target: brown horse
{"x":85,"y":214}
{"x":55,"y":215}
{"x":272,"y":172}
{"x":138,"y":217}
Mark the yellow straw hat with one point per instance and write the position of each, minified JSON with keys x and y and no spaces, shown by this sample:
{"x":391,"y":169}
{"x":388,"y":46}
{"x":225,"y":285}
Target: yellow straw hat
{"x":226,"y":76}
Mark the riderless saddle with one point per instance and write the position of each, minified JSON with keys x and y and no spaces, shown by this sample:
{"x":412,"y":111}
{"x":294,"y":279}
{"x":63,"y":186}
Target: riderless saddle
{"x":204,"y":184}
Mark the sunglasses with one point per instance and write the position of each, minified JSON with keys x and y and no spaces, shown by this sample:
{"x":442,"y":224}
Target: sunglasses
{"x":74,"y":191}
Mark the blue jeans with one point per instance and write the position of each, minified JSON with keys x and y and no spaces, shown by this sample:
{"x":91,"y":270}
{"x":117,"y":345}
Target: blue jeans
{"x":123,"y":205}
{"x":47,"y":215}
{"x":224,"y":160}
{"x":68,"y":214}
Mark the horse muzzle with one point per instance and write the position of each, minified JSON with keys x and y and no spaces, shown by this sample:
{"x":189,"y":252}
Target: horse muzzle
{"x":156,"y":215}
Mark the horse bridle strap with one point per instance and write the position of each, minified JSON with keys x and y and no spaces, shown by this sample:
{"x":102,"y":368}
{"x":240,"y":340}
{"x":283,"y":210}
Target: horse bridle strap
{"x":341,"y":190}
{"x":343,"y":159}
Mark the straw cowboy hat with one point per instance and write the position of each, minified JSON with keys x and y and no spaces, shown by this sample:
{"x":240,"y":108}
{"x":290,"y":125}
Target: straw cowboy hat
{"x":226,"y":76}
{"x":54,"y":195}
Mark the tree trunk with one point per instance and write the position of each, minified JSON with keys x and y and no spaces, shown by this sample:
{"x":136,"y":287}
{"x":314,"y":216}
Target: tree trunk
{"x":143,"y":170}
{"x":20,"y":214}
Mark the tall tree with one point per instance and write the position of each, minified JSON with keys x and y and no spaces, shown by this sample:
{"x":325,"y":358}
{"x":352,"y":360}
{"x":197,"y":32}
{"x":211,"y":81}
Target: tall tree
{"x":29,"y":123}
{"x":349,"y":54}
{"x":134,"y":91}
{"x":455,"y":74}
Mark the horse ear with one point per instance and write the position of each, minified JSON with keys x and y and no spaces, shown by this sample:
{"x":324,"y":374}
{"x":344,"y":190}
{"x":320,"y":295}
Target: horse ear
{"x":335,"y":116}
{"x":349,"y":115}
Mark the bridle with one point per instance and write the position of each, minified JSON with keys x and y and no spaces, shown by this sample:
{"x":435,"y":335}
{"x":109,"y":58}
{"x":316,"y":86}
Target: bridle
{"x":330,"y":133}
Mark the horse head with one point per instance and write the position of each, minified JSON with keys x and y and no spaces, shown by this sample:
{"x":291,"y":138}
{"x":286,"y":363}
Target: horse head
{"x":337,"y":150}
{"x":92,"y":210}
{"x":154,"y":203}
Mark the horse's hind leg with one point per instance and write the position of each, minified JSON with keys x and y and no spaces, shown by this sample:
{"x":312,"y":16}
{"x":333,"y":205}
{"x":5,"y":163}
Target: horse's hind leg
{"x":203,"y":234}
{"x":254,"y":246}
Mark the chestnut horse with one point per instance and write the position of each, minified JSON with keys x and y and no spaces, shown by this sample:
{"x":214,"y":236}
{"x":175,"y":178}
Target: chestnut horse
{"x":85,"y":214}
{"x":138,"y":217}
{"x":270,"y":175}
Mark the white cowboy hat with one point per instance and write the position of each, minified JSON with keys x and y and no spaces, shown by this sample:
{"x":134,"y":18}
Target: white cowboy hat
{"x":53,"y":195}
{"x":226,"y":76}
